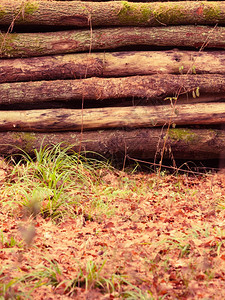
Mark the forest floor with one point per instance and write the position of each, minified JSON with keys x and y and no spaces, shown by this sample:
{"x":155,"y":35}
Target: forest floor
{"x":111,"y":235}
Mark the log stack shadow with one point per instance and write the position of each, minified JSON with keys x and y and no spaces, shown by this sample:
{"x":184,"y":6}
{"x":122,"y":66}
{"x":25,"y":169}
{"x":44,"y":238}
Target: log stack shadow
{"x":117,"y":78}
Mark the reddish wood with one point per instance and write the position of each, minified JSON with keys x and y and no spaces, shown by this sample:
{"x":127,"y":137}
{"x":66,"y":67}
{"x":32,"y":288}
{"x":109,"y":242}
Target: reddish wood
{"x":61,"y":42}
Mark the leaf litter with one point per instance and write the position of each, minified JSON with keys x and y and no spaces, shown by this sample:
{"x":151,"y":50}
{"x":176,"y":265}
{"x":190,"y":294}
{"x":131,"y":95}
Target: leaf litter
{"x":134,"y":236}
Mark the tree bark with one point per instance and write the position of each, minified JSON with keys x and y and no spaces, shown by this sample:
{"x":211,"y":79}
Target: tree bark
{"x":148,"y":87}
{"x":129,"y":1}
{"x":119,"y":13}
{"x":142,"y":143}
{"x":115,"y":64}
{"x":112,"y":117}
{"x":62,"y":42}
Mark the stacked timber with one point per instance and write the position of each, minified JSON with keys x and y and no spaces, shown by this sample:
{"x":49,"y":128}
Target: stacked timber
{"x":117,"y":78}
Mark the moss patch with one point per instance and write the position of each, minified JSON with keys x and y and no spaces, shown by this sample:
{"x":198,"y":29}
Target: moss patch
{"x":132,"y":13}
{"x":211,"y":13}
{"x":26,"y":139}
{"x":6,"y":42}
{"x":14,"y":45}
{"x":2,"y":12}
{"x":168,"y":15}
{"x":144,"y":14}
{"x":27,"y":9}
{"x":30,"y":7}
{"x":185,"y":135}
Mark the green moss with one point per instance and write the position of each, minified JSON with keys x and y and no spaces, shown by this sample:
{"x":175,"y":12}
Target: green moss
{"x":12,"y":46}
{"x":2,"y":12}
{"x":6,"y":42}
{"x":146,"y":13}
{"x":185,"y":135}
{"x":27,"y":140}
{"x":127,"y":12}
{"x":27,"y":9}
{"x":142,"y":14}
{"x":211,"y":13}
{"x":166,"y":15}
{"x":30,"y":7}
{"x":133,"y":13}
{"x":127,"y":7}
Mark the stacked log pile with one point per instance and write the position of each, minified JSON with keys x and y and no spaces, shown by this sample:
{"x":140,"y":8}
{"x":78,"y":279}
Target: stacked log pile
{"x":117,"y":78}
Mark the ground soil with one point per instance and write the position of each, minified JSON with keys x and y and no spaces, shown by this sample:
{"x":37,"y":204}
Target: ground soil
{"x":165,"y":235}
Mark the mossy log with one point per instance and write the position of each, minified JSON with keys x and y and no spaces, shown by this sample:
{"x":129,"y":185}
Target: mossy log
{"x":82,"y":40}
{"x":112,"y":117}
{"x":112,"y":13}
{"x":142,"y":143}
{"x":145,"y":87}
{"x":115,"y":64}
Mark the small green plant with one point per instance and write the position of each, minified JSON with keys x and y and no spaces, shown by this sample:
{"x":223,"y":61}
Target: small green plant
{"x":135,"y":292}
{"x":9,"y":242}
{"x":196,"y":93}
{"x":10,"y":288}
{"x":181,"y":69}
{"x":185,"y":250}
{"x":194,"y":69}
{"x":171,"y":99}
{"x":48,"y":275}
{"x":91,"y":277}
{"x":54,"y":182}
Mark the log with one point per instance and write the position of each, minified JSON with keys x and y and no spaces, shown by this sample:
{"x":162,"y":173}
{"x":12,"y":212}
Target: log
{"x":115,"y":64}
{"x":148,"y":87}
{"x":183,"y":143}
{"x":129,"y":1}
{"x":62,"y":42}
{"x":49,"y":120}
{"x":183,"y":99}
{"x":114,"y":13}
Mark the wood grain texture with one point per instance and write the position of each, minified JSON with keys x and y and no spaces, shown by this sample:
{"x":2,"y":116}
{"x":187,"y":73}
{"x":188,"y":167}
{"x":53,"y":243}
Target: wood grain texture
{"x":111,"y":64}
{"x":112,"y":117}
{"x":112,"y":13}
{"x":182,"y":143}
{"x":98,"y":89}
{"x":83,"y":40}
